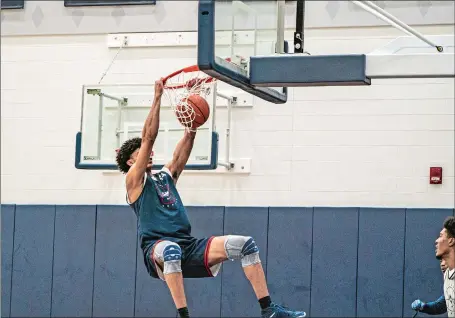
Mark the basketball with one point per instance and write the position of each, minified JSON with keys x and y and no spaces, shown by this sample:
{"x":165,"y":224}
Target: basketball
{"x":200,"y":113}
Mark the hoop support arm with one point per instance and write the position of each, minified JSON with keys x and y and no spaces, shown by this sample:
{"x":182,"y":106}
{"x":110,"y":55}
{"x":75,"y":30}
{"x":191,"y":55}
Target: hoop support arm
{"x":392,"y":20}
{"x":231,"y":100}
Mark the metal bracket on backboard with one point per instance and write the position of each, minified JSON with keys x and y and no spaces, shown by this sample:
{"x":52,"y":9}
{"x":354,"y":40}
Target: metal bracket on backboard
{"x":221,"y":69}
{"x":230,"y":101}
{"x":240,"y":166}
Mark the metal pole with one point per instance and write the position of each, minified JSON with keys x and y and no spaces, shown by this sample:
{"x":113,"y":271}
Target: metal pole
{"x":230,"y":101}
{"x":214,"y":95}
{"x":299,"y":27}
{"x":100,"y":127}
{"x":223,"y":96}
{"x":255,"y":35}
{"x":233,"y":32}
{"x":119,"y":121}
{"x":281,"y":8}
{"x":362,"y":5}
{"x":228,"y":133}
{"x":387,"y":17}
{"x":119,"y":99}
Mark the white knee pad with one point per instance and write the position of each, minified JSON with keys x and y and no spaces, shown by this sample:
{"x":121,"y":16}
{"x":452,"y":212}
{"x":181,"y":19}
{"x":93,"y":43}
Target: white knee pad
{"x":170,"y":254}
{"x":242,"y":248}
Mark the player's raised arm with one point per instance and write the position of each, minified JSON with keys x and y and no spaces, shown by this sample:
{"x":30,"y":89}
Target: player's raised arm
{"x":181,"y":154}
{"x":149,"y":134}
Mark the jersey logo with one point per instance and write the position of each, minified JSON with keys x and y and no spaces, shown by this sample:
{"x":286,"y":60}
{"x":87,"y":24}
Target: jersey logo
{"x":167,"y":198}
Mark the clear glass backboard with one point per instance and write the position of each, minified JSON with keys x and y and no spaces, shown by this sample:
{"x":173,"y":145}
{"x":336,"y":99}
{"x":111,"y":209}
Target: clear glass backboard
{"x":111,"y":114}
{"x":230,"y":32}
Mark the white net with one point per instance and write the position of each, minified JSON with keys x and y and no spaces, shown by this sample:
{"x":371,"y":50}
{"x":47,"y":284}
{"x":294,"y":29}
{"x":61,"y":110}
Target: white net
{"x":179,"y":86}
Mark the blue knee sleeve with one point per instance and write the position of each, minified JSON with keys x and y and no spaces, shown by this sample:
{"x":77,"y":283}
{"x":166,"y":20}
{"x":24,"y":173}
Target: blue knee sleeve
{"x":243,"y":248}
{"x":172,"y":256}
{"x":250,"y":247}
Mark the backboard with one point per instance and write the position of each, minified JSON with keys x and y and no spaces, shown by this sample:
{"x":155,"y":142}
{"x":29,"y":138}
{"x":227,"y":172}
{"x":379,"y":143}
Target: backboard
{"x":111,"y":114}
{"x":242,"y":43}
{"x":231,"y":32}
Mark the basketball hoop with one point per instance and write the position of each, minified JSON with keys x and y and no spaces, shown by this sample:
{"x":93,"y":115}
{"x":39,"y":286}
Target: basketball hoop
{"x":182,"y":84}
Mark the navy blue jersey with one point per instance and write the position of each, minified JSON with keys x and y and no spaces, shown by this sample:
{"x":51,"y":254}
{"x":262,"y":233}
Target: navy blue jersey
{"x":162,"y":216}
{"x":160,"y":211}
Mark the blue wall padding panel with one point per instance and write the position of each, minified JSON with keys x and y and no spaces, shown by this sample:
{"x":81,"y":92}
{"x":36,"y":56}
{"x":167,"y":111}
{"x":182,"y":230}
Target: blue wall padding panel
{"x":69,"y":261}
{"x":204,"y":295}
{"x":238,"y":298}
{"x":115,"y":262}
{"x":423,"y":277}
{"x":74,"y":248}
{"x":289,"y":256}
{"x":381,"y":245}
{"x":32,"y":261}
{"x":334,"y":269}
{"x":7,"y":256}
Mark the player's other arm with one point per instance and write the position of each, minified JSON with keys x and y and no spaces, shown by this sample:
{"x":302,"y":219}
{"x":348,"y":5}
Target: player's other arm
{"x":149,"y":133}
{"x":181,"y":154}
{"x":436,"y":307}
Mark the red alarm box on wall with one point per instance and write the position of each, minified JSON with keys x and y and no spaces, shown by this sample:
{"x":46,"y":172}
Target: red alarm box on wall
{"x":435,"y":175}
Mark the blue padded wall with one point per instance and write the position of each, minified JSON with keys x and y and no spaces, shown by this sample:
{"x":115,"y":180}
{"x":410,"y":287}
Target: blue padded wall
{"x":7,"y":256}
{"x":74,"y":248}
{"x":153,"y":298}
{"x":334,"y":267}
{"x":115,"y":262}
{"x":237,"y":297}
{"x":422,"y":277}
{"x":289,"y":256}
{"x":381,"y":246}
{"x":32,"y":261}
{"x":204,"y":295}
{"x":84,"y":261}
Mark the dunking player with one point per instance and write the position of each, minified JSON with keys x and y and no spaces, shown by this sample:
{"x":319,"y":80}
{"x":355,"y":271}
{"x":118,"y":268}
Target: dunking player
{"x":171,"y":253}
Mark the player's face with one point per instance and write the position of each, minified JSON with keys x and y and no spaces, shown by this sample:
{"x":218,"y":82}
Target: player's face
{"x":134,"y":158}
{"x":443,"y":243}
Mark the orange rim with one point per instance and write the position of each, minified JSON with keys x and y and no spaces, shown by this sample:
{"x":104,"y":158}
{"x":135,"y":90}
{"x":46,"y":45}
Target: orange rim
{"x":188,"y":69}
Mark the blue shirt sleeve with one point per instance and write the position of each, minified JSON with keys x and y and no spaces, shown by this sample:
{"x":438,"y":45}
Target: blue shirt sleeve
{"x":436,"y":307}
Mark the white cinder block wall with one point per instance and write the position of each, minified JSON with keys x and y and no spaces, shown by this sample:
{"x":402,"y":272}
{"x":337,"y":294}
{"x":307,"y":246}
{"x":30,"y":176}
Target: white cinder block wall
{"x":328,"y":146}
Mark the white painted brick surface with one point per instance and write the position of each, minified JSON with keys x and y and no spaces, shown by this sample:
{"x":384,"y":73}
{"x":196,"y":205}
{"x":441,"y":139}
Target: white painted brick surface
{"x":328,"y":146}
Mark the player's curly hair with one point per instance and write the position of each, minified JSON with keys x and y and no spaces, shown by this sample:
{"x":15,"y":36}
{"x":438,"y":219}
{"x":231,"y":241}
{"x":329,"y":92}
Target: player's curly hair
{"x":449,"y":225}
{"x":125,"y":152}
